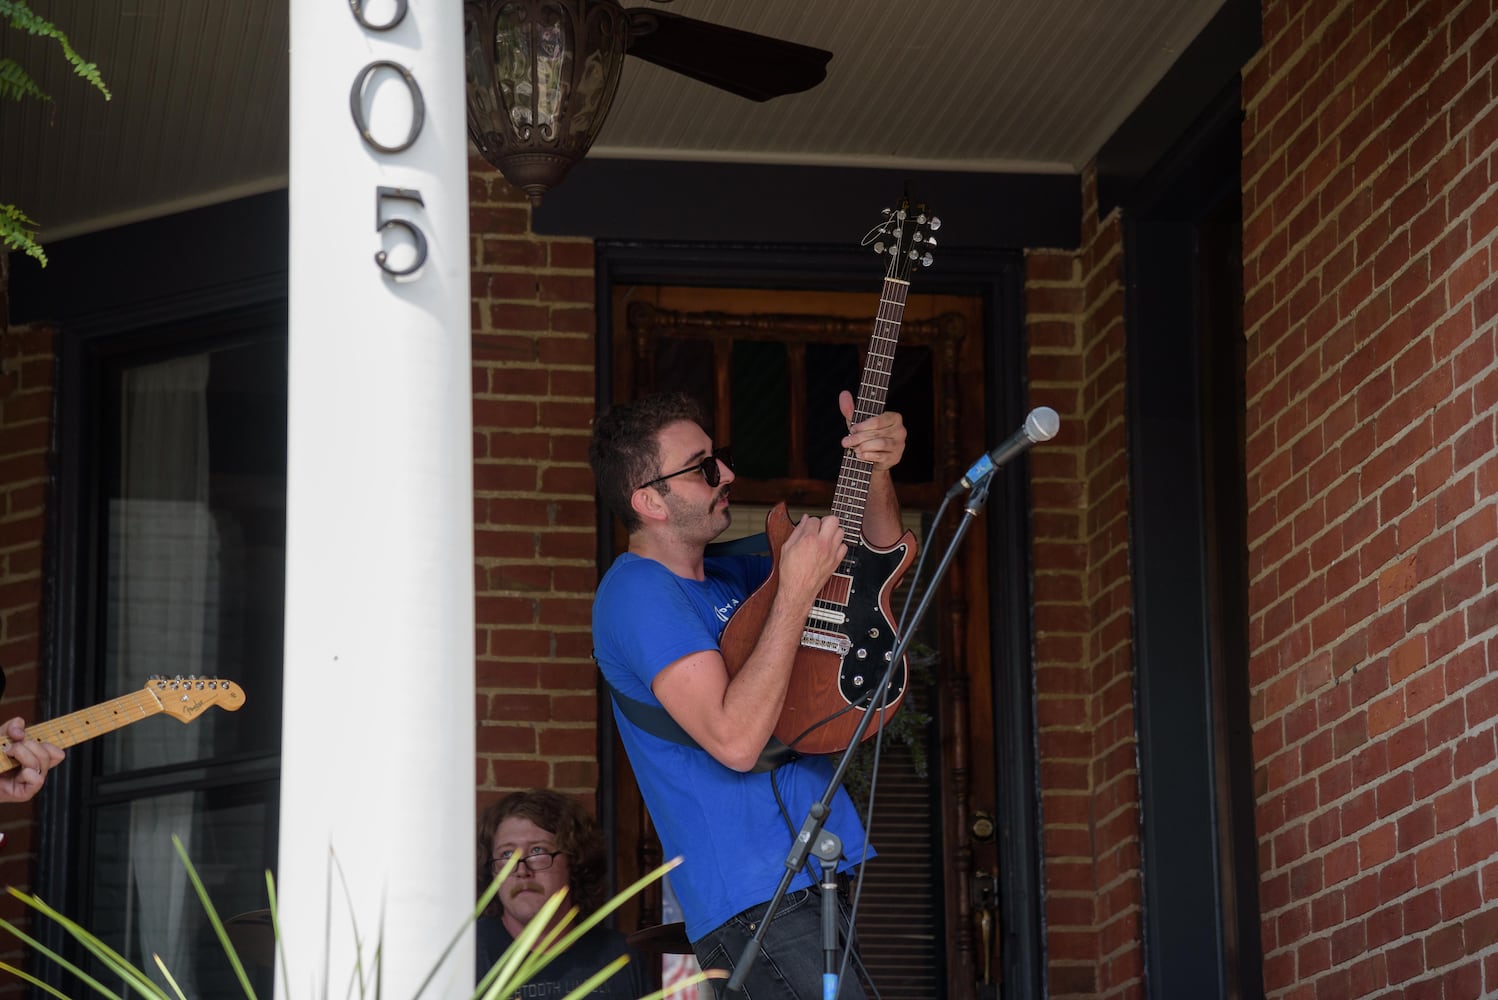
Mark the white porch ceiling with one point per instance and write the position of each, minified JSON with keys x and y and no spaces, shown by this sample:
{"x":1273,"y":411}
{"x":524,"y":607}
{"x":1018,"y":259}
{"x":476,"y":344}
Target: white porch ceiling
{"x":201,"y":92}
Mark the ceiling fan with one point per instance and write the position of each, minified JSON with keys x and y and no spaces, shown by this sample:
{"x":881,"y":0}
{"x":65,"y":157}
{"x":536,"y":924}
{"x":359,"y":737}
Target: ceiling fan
{"x":541,"y":74}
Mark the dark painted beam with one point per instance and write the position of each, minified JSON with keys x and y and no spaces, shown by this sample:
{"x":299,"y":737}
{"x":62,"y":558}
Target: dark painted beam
{"x":1180,"y":100}
{"x":659,"y":200}
{"x":135,"y":269}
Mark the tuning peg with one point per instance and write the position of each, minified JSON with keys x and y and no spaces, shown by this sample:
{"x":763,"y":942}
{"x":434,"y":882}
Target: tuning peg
{"x":879,"y":246}
{"x":926,"y":260}
{"x":935,"y":223}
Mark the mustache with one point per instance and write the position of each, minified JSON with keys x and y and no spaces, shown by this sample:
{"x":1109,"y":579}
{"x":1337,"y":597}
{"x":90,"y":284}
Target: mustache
{"x":524,"y":888}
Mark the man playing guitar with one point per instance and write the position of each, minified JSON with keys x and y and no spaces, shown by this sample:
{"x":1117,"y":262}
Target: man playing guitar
{"x":657,"y":618}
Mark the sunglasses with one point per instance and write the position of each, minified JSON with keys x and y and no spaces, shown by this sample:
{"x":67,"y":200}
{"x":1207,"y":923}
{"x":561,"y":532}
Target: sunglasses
{"x":708,"y":467}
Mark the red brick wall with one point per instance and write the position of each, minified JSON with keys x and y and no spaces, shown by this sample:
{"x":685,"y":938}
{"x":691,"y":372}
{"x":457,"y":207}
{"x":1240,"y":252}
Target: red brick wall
{"x":26,"y":368}
{"x":1089,"y":783}
{"x":1369,"y":171}
{"x":535,"y":544}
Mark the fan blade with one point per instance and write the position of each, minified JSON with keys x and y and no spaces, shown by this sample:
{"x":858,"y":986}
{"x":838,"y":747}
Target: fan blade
{"x":754,"y":66}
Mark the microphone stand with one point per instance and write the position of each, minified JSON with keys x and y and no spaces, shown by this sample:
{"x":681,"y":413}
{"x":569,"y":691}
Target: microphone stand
{"x":811,"y":838}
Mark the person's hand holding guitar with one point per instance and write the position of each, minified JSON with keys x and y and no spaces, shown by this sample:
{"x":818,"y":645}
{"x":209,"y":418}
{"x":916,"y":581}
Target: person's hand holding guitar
{"x":33,"y":759}
{"x":814,"y":549}
{"x":879,"y":440}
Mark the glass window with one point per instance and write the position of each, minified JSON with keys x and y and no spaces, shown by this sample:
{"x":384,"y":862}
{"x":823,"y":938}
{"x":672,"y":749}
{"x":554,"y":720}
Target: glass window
{"x":186,"y":526}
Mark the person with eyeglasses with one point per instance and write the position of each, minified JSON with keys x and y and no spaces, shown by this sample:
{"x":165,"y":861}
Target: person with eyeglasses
{"x":559,"y":846}
{"x":658,"y":615}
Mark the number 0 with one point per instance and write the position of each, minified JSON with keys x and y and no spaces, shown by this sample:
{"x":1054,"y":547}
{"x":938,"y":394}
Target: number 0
{"x":356,"y":105}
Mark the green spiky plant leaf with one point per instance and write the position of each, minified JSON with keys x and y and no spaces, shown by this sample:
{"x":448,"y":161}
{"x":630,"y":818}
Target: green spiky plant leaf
{"x":18,"y":232}
{"x":535,"y":948}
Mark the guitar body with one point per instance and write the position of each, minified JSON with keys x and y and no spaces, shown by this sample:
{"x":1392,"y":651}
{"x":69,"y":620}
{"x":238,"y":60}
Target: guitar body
{"x":838,"y":663}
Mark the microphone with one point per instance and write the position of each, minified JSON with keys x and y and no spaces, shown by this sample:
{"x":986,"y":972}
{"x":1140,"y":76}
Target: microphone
{"x":1040,"y":425}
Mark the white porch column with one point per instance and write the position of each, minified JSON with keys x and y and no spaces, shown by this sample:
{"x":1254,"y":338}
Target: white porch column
{"x":377,"y":767}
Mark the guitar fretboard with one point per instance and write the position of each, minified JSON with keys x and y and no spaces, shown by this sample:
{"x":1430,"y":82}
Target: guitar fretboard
{"x":106,"y":717}
{"x":852,"y":494}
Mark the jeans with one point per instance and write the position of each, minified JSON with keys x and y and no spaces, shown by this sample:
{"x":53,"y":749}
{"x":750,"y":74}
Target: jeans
{"x":790,"y":962}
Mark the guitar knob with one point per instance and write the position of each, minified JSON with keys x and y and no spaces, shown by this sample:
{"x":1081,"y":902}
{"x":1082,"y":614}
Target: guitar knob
{"x":862,"y":654}
{"x":858,"y":681}
{"x":874,"y":633}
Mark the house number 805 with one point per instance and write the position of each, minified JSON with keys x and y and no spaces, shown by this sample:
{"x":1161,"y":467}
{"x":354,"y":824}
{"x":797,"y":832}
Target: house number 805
{"x":418,"y":117}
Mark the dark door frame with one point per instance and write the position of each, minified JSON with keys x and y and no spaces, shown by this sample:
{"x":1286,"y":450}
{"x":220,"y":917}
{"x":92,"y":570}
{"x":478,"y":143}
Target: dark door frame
{"x":1182,"y":254}
{"x":997,"y":278}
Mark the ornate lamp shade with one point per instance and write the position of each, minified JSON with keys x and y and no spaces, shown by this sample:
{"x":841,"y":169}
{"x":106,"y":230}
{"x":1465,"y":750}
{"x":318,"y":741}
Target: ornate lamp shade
{"x":541,"y":76}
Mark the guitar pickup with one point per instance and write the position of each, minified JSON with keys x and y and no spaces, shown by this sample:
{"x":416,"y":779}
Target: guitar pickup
{"x":828,"y":616}
{"x":828,"y":642}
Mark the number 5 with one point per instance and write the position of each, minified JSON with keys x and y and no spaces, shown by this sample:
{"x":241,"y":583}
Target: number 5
{"x":382,"y":224}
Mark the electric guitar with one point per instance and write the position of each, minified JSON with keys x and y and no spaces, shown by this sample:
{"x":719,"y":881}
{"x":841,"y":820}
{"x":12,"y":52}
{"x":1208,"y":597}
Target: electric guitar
{"x":183,"y":698}
{"x":849,"y":638}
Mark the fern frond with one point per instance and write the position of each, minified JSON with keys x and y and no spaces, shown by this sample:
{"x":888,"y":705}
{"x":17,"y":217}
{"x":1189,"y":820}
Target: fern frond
{"x":18,"y":232}
{"x":16,"y":83}
{"x":23,"y":18}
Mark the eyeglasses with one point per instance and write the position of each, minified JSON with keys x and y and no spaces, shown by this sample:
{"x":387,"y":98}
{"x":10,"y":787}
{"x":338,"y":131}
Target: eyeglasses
{"x":708,"y":467}
{"x":537,"y":862}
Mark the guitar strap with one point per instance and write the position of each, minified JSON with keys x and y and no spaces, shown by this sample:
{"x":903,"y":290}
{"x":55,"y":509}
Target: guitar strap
{"x":658,"y":722}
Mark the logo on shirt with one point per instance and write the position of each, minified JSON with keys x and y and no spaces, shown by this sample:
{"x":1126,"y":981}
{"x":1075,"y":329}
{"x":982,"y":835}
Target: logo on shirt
{"x":726,"y":611}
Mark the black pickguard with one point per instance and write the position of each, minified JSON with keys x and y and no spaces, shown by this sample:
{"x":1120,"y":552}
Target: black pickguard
{"x":868,"y":629}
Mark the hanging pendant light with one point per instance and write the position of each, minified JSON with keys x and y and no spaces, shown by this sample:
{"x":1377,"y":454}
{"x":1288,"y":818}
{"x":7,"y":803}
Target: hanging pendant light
{"x":541,"y":76}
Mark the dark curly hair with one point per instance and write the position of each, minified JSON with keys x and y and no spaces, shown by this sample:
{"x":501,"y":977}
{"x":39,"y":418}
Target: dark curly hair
{"x":576,"y":833}
{"x":624,"y":451}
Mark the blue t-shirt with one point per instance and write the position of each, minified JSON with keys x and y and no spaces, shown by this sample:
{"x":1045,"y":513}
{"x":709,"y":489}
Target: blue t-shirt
{"x":725,"y":824}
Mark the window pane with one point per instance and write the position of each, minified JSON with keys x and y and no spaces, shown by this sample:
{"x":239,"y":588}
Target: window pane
{"x":831,"y":368}
{"x":687,"y":365}
{"x":191,"y":557}
{"x":143,"y":903}
{"x":761,"y":419}
{"x":196,"y":547}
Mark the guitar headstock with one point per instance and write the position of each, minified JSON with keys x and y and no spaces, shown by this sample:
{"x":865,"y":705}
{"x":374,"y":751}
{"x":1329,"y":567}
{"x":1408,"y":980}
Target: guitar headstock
{"x":905,"y":235}
{"x":185,"y":698}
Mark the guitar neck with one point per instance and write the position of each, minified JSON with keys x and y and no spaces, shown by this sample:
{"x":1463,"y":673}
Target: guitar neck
{"x":76,"y":727}
{"x":852,"y":494}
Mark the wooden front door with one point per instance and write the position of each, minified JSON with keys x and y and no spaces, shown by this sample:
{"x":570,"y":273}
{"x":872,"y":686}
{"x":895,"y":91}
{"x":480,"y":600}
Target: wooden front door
{"x":767,"y":366}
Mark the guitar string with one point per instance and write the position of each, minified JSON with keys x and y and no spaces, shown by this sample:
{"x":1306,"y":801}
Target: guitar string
{"x":105,"y":717}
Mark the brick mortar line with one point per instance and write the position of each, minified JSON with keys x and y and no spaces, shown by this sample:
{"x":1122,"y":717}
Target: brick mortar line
{"x":1287,"y":517}
{"x":1451,"y":310}
{"x":1368,"y":575}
